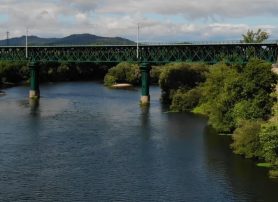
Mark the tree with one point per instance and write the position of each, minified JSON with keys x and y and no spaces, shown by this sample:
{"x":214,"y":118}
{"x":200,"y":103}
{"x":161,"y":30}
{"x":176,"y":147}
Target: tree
{"x":255,"y":37}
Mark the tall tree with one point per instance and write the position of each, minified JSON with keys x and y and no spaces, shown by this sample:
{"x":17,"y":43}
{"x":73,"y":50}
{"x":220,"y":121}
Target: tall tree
{"x":255,"y":37}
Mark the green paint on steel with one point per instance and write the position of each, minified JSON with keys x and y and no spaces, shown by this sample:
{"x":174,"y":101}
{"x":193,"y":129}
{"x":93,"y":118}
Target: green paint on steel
{"x":34,"y":76}
{"x":145,"y":78}
{"x":155,"y":54}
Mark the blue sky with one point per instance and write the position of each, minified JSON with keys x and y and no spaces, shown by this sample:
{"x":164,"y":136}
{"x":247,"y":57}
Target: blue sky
{"x":159,"y":20}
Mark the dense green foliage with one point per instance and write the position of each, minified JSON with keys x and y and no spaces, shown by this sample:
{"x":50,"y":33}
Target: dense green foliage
{"x":269,"y":142}
{"x":71,"y":71}
{"x":12,"y":72}
{"x":185,"y":100}
{"x":129,"y":73}
{"x":180,"y":77}
{"x":236,"y":99}
{"x":231,"y":94}
{"x":258,"y":139}
{"x":155,"y":74}
{"x":123,"y":73}
{"x":15,"y":72}
{"x":218,"y":96}
{"x":246,"y":139}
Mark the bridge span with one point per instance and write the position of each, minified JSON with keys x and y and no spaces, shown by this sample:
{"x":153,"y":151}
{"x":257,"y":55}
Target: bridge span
{"x":231,"y":53}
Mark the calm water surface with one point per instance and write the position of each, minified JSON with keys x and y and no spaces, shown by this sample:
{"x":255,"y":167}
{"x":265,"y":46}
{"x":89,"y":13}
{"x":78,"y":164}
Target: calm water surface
{"x":84,"y":142}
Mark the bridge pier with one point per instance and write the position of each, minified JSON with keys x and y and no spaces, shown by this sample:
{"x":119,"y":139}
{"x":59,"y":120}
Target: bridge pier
{"x":34,"y":92}
{"x":145,"y":83}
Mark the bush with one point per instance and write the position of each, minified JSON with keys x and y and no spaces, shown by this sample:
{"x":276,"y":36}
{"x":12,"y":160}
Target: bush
{"x":230,"y":96}
{"x":219,"y":94}
{"x":269,"y":141}
{"x":54,"y":71}
{"x":109,"y":80}
{"x":258,"y":83}
{"x":185,"y":101}
{"x":180,"y":75}
{"x":273,"y":173}
{"x":122,"y":73}
{"x":12,"y":71}
{"x":246,"y":139}
{"x":155,"y":73}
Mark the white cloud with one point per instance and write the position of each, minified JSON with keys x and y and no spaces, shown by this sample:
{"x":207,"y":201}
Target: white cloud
{"x":201,"y":19}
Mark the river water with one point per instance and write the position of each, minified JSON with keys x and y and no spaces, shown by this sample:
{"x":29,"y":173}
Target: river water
{"x":85,"y":142}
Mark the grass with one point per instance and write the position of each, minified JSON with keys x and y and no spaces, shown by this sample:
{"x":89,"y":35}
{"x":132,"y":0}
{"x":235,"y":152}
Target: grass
{"x":264,"y":165}
{"x":273,"y":173}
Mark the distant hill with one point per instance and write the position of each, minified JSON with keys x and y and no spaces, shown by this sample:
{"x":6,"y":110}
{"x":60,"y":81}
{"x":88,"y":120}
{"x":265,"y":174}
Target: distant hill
{"x":75,"y":39}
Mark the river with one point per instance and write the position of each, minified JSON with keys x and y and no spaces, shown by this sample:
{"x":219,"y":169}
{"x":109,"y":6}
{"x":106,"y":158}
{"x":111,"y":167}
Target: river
{"x":85,"y":142}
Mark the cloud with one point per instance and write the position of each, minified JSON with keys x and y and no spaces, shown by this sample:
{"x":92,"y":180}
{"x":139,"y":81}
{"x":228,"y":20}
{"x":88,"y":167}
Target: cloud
{"x":198,"y":19}
{"x":193,"y":8}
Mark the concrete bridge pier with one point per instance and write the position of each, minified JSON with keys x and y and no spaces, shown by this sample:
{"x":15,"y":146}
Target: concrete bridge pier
{"x":145,"y":83}
{"x":34,"y":92}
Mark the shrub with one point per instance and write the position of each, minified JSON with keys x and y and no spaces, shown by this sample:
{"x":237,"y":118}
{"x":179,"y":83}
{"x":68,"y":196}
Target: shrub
{"x":180,"y":75}
{"x":123,"y":72}
{"x":12,"y":71}
{"x":185,"y":101}
{"x":155,"y":73}
{"x":219,"y":94}
{"x":269,"y":141}
{"x":273,"y":173}
{"x":246,"y":139}
{"x":109,"y":80}
{"x":229,"y":96}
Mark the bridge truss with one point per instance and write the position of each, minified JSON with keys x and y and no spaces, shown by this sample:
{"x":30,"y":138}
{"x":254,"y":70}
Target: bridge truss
{"x":153,"y":54}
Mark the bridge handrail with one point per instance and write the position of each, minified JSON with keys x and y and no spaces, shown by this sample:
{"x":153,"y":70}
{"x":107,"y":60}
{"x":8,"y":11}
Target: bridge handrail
{"x":146,"y":44}
{"x":227,"y":42}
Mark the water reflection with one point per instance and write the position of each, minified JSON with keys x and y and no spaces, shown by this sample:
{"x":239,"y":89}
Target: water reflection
{"x":234,"y":172}
{"x":84,"y":142}
{"x":34,"y":106}
{"x":145,"y":121}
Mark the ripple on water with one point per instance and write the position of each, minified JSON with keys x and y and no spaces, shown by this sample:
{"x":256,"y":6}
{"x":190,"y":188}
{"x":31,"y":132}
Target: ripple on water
{"x":84,"y":142}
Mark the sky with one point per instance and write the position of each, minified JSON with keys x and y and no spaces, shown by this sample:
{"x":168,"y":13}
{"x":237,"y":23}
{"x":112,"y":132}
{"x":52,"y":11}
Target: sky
{"x":159,"y":20}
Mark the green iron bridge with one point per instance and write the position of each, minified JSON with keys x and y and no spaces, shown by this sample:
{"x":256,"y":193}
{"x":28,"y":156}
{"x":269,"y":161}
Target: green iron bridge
{"x":237,"y":53}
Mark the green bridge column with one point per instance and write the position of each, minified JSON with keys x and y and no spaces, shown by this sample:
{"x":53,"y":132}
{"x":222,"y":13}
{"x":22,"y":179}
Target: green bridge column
{"x":34,"y":92}
{"x":145,"y":85}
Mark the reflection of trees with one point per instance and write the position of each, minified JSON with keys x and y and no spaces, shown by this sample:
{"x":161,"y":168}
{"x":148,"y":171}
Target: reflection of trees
{"x":241,"y":176}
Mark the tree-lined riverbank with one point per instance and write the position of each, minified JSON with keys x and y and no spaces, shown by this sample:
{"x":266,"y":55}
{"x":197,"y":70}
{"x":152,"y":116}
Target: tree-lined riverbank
{"x":14,"y":73}
{"x":238,"y":100}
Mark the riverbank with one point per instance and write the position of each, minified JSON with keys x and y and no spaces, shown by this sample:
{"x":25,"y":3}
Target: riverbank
{"x":234,"y":101}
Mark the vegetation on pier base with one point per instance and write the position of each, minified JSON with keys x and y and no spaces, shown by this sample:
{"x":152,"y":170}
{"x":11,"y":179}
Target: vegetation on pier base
{"x":123,"y":73}
{"x":129,"y":73}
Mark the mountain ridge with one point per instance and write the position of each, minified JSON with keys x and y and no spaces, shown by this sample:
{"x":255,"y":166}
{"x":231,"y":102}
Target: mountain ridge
{"x":74,"y":39}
